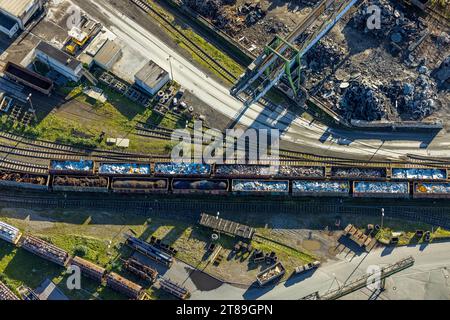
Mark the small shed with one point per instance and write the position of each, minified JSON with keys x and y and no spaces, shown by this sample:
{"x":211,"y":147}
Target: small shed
{"x":108,"y":55}
{"x":151,"y":78}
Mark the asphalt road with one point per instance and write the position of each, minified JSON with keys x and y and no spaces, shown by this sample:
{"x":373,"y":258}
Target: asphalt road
{"x":302,"y":134}
{"x":426,"y":279}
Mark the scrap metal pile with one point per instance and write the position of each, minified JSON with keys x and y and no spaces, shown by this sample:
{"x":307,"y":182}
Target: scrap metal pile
{"x":395,"y":26}
{"x":417,"y":99}
{"x":325,"y":55}
{"x":361,"y":102}
{"x":226,"y":18}
{"x":392,"y":80}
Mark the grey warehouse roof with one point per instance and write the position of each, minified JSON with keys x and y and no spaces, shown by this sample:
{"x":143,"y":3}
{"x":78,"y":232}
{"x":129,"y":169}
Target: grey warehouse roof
{"x":16,"y":7}
{"x":151,"y":74}
{"x":58,"y":55}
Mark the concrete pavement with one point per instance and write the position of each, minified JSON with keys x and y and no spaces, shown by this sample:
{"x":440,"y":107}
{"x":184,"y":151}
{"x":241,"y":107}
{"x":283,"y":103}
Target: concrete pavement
{"x":427,"y":279}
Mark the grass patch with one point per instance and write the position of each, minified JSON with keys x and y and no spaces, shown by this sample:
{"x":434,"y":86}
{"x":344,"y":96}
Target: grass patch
{"x":224,"y":60}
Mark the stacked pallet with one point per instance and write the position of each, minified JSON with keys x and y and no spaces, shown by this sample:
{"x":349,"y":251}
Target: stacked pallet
{"x":45,"y":250}
{"x":124,"y":286}
{"x":141,"y":270}
{"x":89,"y":269}
{"x":174,"y":288}
{"x":6,"y":293}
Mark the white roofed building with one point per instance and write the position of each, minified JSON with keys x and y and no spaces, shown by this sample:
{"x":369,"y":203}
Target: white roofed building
{"x":15,"y":14}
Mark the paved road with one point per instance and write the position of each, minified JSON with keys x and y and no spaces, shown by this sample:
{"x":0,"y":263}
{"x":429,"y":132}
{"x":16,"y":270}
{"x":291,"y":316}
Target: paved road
{"x":304,"y":134}
{"x":427,"y":279}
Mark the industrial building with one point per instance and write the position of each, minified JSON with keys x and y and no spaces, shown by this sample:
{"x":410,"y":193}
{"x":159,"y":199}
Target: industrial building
{"x":15,"y":14}
{"x":59,"y":61}
{"x":108,"y":55}
{"x":151,"y":78}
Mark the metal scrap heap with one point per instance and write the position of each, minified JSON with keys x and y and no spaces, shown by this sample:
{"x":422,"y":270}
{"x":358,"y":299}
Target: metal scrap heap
{"x":361,"y":102}
{"x":416,"y":99}
{"x":401,"y":30}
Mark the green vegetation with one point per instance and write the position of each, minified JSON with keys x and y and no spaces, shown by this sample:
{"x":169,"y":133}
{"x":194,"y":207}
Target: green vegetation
{"x":223,"y":59}
{"x":86,"y":123}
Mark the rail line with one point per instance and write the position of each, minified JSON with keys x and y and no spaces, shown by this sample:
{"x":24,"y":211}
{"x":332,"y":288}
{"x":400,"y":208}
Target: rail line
{"x":165,"y":23}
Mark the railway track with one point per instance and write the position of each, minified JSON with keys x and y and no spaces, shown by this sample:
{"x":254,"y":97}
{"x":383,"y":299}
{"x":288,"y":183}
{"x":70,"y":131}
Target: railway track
{"x":36,"y":151}
{"x":39,"y":149}
{"x":170,"y":27}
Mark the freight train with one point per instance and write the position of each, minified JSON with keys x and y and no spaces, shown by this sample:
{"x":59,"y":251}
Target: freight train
{"x":224,"y":179}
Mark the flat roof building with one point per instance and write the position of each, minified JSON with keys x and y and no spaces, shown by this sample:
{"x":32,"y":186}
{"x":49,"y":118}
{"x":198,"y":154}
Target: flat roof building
{"x":8,"y":25}
{"x":47,"y":290}
{"x":60,"y":61}
{"x":19,"y":12}
{"x":151,"y":78}
{"x":108,"y":55}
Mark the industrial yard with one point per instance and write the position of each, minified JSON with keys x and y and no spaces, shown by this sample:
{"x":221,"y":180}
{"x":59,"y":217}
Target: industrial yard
{"x":93,"y":92}
{"x":99,"y":237}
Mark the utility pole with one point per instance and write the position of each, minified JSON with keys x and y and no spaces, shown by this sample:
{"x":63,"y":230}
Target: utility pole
{"x":31,"y":107}
{"x":170,"y":66}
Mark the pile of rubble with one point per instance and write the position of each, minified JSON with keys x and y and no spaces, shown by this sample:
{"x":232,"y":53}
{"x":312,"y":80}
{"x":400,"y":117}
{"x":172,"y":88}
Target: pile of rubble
{"x":400,"y":30}
{"x":252,"y":13}
{"x":361,"y":102}
{"x":325,"y":54}
{"x":442,"y":74}
{"x":415,"y":99}
{"x":207,"y":8}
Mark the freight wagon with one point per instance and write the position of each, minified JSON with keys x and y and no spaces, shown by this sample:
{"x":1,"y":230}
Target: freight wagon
{"x":23,"y":180}
{"x":140,"y":185}
{"x":175,"y":289}
{"x":28,"y":78}
{"x":80,"y":184}
{"x":189,"y":186}
{"x":435,"y":190}
{"x":121,"y":169}
{"x":141,"y":270}
{"x":174,"y":169}
{"x":320,"y":188}
{"x":270,"y":274}
{"x":260,"y":187}
{"x":79,"y":167}
{"x":380,"y":189}
{"x":358,"y":173}
{"x":419,"y":174}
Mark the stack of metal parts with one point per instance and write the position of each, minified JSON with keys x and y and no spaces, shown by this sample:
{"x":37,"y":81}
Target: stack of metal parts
{"x":6,"y":293}
{"x":361,"y":102}
{"x":417,"y":98}
{"x":45,"y":250}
